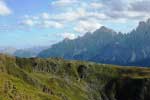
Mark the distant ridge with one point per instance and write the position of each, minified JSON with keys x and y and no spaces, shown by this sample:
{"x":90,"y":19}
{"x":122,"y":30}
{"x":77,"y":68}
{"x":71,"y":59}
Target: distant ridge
{"x":24,"y":53}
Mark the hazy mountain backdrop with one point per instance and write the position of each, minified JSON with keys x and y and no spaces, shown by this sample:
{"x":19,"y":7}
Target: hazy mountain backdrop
{"x":106,"y":46}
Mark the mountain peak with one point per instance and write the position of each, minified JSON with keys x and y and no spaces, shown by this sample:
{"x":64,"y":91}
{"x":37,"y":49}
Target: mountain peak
{"x":148,"y":21}
{"x":143,"y":23}
{"x":66,"y":39}
{"x":141,"y":26}
{"x":104,"y":30}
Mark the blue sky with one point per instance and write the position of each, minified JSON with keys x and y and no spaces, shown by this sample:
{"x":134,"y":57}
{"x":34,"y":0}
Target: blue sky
{"x":27,"y":23}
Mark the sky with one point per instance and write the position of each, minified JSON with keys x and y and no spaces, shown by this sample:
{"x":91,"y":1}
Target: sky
{"x":27,"y":23}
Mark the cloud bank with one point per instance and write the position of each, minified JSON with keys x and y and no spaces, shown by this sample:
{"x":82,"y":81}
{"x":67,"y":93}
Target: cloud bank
{"x":4,"y":9}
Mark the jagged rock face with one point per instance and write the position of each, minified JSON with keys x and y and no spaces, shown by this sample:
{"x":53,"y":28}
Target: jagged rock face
{"x":106,"y":46}
{"x":82,"y":70}
{"x":127,"y":89}
{"x":82,"y":47}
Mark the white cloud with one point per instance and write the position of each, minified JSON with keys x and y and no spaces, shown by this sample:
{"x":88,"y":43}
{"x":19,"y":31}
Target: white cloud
{"x":132,"y":14}
{"x":97,"y":15}
{"x":51,"y":24}
{"x":68,"y":35}
{"x":45,"y":15}
{"x":128,"y":9}
{"x":115,"y":5}
{"x":63,"y":2}
{"x":87,"y":26}
{"x":28,"y":22}
{"x":69,"y":15}
{"x":38,"y":22}
{"x":96,"y":5}
{"x":113,"y":11}
{"x":74,"y":15}
{"x":141,"y":6}
{"x":4,"y":10}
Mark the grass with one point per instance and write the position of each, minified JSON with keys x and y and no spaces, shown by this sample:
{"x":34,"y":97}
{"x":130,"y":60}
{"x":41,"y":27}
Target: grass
{"x":58,"y":79}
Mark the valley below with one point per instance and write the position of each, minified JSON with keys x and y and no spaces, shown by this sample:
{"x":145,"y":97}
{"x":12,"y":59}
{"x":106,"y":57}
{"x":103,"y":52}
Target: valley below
{"x":59,"y":79}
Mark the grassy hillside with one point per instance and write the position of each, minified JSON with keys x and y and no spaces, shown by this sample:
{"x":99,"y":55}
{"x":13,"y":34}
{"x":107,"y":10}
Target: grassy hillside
{"x":58,"y":79}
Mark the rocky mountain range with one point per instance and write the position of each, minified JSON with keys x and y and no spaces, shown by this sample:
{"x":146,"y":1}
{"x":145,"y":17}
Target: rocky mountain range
{"x":106,"y":46}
